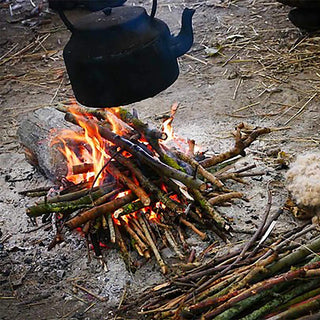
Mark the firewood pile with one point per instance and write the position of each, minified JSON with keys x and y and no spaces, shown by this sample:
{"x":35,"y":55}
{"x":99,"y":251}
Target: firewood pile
{"x":278,"y":281}
{"x":145,"y":195}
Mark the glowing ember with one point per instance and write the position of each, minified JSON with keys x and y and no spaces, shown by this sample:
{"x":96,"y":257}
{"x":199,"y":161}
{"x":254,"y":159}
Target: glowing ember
{"x":174,"y":197}
{"x":122,"y":194}
{"x":116,"y":221}
{"x":160,"y":205}
{"x":125,"y":218}
{"x":154,"y":216}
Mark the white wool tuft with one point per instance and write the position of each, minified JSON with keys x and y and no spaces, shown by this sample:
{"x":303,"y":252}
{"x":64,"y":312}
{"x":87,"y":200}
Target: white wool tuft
{"x":303,"y":179}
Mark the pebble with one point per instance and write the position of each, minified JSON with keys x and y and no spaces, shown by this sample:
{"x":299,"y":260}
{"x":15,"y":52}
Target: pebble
{"x":60,"y":274}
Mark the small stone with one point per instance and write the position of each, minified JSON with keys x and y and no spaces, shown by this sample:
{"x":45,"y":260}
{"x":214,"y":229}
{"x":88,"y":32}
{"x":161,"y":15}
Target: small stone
{"x":28,"y":260}
{"x":60,"y":274}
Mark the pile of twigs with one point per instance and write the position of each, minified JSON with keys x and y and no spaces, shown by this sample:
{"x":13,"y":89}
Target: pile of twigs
{"x":280,"y":281}
{"x":172,"y":184}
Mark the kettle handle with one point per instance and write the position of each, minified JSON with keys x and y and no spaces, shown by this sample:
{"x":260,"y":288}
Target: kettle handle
{"x":70,"y":26}
{"x":65,"y":20}
{"x":154,"y":8}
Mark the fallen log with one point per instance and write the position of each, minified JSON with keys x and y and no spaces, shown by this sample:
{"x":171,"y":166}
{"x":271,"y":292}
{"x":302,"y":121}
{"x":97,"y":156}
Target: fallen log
{"x":36,"y":133}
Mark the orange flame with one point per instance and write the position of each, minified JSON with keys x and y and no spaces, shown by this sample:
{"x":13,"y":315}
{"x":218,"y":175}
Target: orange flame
{"x":172,"y":139}
{"x":81,"y":147}
{"x":118,"y":126}
{"x":168,"y":129}
{"x":174,"y":197}
{"x":88,"y":146}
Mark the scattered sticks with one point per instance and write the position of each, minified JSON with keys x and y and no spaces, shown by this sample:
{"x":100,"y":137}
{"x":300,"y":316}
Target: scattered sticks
{"x":278,"y":282}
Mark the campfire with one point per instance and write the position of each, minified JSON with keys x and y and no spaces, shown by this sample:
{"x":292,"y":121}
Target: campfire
{"x":139,"y":188}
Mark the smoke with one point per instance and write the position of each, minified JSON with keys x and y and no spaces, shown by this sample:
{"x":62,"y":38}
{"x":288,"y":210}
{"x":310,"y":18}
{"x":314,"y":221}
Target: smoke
{"x":303,"y":179}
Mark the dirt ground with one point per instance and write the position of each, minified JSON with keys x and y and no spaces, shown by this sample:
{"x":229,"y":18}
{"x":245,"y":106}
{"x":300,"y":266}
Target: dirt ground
{"x":248,"y":64}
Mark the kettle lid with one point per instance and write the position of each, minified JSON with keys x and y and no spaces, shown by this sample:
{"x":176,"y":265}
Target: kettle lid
{"x":113,"y":19}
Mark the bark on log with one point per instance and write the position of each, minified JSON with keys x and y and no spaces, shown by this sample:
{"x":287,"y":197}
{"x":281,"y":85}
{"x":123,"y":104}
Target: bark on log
{"x":35,"y":134}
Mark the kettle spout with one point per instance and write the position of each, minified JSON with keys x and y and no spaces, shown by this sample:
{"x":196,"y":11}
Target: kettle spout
{"x":184,"y":40}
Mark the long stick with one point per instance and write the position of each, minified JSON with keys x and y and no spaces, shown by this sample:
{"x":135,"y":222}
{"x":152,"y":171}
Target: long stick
{"x":201,"y":170}
{"x":173,"y":244}
{"x":111,"y":229}
{"x":66,"y":206}
{"x":106,"y":197}
{"x":138,"y":229}
{"x":123,"y":248}
{"x":301,"y":309}
{"x":77,"y":194}
{"x":283,"y":298}
{"x":255,"y":289}
{"x":206,"y":206}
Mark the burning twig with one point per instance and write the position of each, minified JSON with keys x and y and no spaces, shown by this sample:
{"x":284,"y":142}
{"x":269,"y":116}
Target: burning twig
{"x":137,"y":124}
{"x":103,"y":199}
{"x":139,"y":192}
{"x":141,"y":154}
{"x":149,"y":186}
{"x":82,"y":168}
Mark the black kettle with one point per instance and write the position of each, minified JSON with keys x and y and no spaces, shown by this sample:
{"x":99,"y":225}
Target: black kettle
{"x":121,"y":55}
